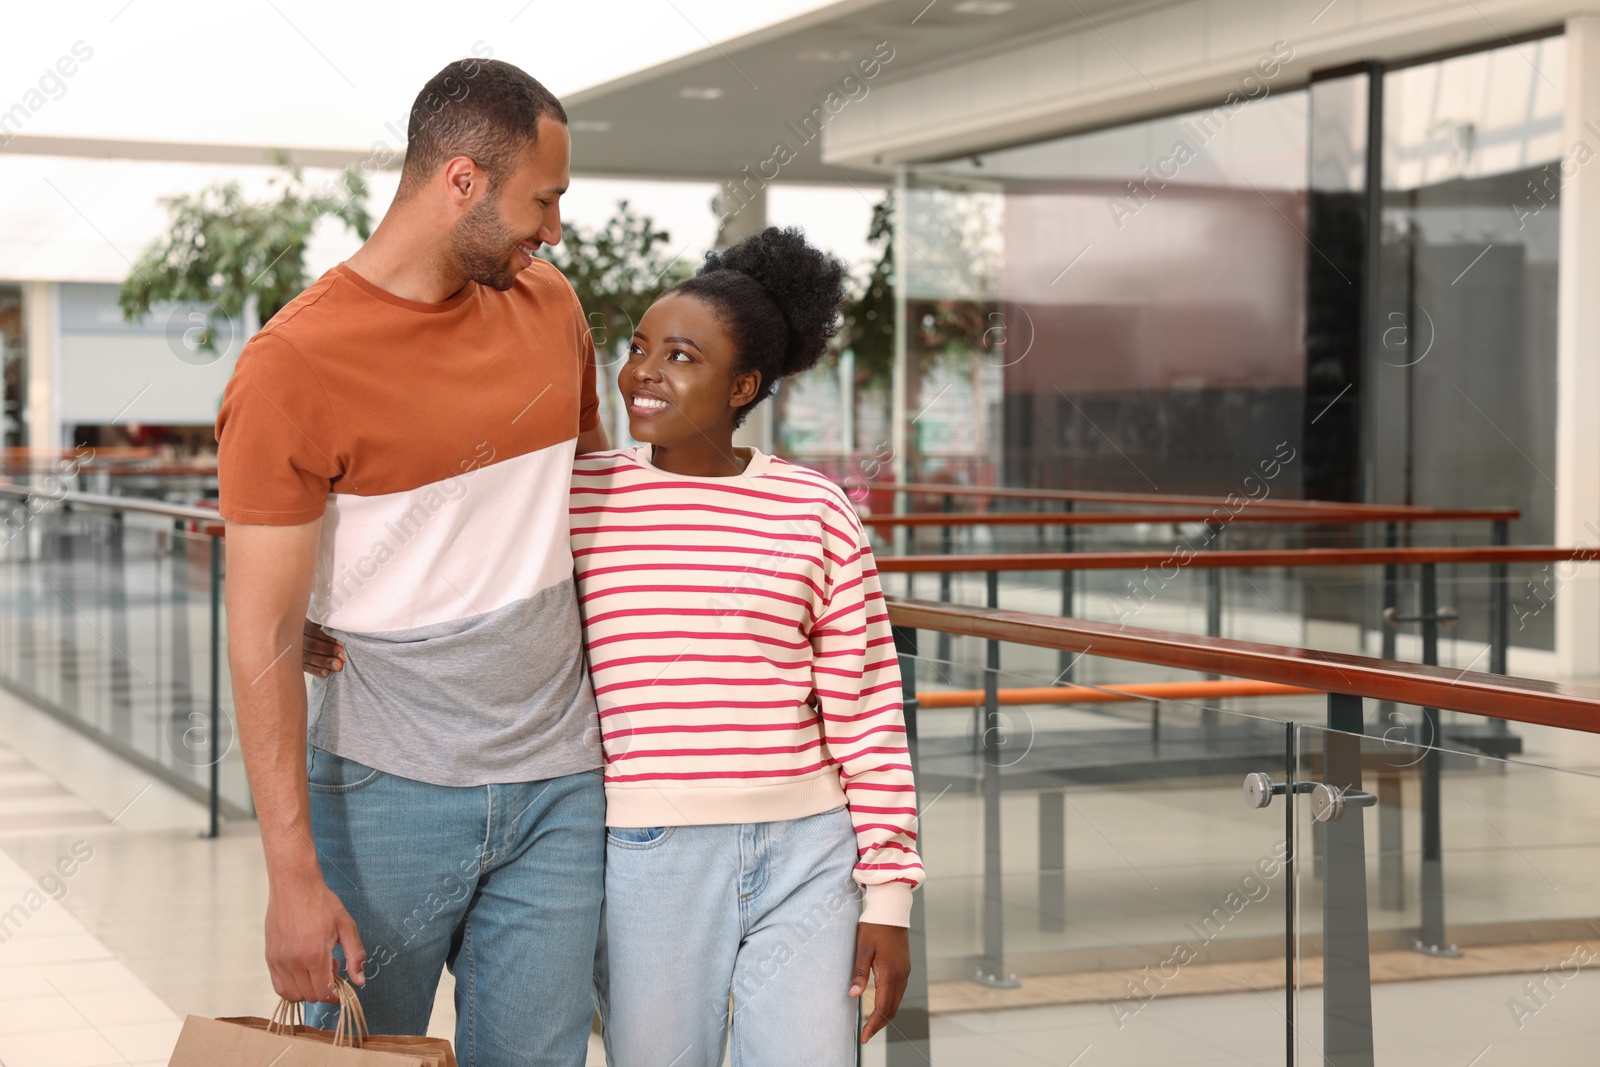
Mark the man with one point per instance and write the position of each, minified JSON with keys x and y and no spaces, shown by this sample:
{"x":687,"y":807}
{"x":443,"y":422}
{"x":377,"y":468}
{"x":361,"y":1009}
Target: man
{"x":395,"y":451}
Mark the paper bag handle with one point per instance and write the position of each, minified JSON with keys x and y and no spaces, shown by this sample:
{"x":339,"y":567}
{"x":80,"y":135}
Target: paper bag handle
{"x":352,"y":1017}
{"x":350,"y":1030}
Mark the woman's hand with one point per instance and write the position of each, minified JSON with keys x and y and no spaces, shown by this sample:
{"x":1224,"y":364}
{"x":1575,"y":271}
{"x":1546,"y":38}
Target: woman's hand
{"x":885,"y":952}
{"x":319,"y":653}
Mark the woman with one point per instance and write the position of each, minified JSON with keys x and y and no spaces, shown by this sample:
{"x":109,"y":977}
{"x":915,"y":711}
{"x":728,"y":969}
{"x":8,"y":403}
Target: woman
{"x":757,"y":778}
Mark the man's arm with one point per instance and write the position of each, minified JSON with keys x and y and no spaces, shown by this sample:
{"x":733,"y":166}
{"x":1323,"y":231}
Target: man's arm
{"x":270,"y":570}
{"x":593,"y":440}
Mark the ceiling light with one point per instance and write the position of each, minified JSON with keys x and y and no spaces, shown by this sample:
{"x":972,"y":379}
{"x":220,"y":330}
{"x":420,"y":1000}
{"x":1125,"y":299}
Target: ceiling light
{"x":589,"y":125}
{"x":700,"y":94}
{"x":984,"y":7}
{"x":826,"y":55}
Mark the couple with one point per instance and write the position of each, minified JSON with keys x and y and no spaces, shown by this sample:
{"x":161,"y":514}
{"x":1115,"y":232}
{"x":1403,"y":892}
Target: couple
{"x":397,"y":451}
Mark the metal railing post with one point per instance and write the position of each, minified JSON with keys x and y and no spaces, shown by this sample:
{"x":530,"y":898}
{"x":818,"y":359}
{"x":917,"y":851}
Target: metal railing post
{"x":1500,"y":605}
{"x":1069,"y":543}
{"x":120,"y":677}
{"x":990,"y":968}
{"x":1432,"y":938}
{"x":1208,"y":716}
{"x":67,"y":613}
{"x":1347,"y":963}
{"x":907,"y":1037}
{"x":216,"y":686}
{"x":1391,"y":825}
{"x":1291,"y":930}
{"x":1391,"y":601}
{"x":181,"y":717}
{"x":1052,"y":860}
{"x":1499,"y":613}
{"x":946,"y":543}
{"x":1214,"y":592}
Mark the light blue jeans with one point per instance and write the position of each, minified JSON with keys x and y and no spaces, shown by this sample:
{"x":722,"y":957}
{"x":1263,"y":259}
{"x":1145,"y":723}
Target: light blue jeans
{"x":763,"y":912}
{"x":500,"y":883}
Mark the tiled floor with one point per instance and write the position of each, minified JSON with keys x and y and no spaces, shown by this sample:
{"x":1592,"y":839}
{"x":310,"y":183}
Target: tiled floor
{"x":65,"y":999}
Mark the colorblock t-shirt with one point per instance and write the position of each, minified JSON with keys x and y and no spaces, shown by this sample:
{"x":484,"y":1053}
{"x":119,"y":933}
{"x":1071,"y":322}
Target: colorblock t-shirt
{"x":435,"y":442}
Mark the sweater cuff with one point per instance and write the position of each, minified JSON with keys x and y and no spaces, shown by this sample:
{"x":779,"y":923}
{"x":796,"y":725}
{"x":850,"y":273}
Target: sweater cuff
{"x":888,"y":904}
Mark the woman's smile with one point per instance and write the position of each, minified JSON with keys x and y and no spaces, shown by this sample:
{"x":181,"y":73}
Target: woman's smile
{"x":646,"y":404}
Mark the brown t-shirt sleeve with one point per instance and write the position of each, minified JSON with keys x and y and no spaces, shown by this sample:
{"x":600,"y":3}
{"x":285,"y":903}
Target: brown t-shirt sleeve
{"x":588,"y":399}
{"x":276,"y":439}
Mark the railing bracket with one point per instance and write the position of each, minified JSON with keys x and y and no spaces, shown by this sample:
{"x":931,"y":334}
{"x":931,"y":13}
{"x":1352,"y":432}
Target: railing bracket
{"x":1328,"y":801}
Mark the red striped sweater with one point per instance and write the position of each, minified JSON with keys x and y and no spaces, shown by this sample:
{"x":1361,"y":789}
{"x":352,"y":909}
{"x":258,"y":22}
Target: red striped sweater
{"x":742,"y":657}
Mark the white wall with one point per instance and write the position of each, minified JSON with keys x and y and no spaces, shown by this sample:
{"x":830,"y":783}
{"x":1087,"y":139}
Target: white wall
{"x":135,"y":378}
{"x":41,"y":319}
{"x":1149,"y":61}
{"x":1577,"y":479}
{"x":107,"y":370}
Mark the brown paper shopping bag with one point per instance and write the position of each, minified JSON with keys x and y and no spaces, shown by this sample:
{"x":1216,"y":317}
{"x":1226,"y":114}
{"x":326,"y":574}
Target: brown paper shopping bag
{"x":285,"y":1041}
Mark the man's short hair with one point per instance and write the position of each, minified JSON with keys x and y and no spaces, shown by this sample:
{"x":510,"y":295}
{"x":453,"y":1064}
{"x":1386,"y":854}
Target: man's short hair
{"x":484,"y":109}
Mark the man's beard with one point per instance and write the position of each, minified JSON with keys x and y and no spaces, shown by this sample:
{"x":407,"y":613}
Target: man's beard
{"x":483,"y":245}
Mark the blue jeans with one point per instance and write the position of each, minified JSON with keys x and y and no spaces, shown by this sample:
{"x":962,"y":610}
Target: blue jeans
{"x":501,"y":883}
{"x":763,"y":912}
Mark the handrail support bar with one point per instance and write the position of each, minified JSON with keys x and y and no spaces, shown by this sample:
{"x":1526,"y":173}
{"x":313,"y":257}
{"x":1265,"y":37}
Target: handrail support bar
{"x":907,"y":1041}
{"x":1347,"y":963}
{"x":990,"y":968}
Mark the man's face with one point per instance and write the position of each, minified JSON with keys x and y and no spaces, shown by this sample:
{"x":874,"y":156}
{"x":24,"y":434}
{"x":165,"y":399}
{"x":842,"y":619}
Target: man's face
{"x":497,"y":238}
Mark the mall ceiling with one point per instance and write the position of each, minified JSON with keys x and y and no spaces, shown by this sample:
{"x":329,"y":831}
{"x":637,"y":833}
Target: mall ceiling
{"x":707,"y":115}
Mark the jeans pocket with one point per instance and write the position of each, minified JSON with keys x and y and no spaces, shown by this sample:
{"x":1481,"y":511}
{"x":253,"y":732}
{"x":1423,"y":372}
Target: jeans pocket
{"x":327,"y":773}
{"x":637,"y":836}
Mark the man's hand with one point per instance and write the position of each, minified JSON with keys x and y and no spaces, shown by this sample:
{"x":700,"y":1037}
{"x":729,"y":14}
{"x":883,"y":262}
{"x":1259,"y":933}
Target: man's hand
{"x":319,"y":653}
{"x":305,"y":920}
{"x":885,"y":952}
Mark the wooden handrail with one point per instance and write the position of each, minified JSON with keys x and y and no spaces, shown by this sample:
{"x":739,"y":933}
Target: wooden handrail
{"x":1112,"y":694}
{"x":1168,"y":559}
{"x":1158,"y":499}
{"x":1263,"y":513}
{"x":22,"y":452}
{"x":1526,"y":700}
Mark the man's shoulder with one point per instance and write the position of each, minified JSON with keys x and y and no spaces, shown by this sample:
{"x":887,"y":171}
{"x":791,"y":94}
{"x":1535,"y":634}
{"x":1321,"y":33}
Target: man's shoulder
{"x":544,"y":284}
{"x":315,"y":306}
{"x":291,"y":339}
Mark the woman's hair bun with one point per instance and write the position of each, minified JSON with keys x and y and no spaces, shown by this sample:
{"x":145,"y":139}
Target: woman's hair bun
{"x":804,"y":282}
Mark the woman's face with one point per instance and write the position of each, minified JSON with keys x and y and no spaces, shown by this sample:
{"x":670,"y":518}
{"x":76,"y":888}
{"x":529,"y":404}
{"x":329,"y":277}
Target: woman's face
{"x":679,"y":379}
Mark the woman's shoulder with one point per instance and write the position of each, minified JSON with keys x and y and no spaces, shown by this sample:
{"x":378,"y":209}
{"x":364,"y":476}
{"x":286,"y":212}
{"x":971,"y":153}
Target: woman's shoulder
{"x":806,"y":481}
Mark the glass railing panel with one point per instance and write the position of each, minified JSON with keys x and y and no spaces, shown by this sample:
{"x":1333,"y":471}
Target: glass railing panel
{"x":107,"y":623}
{"x":1095,"y":880}
{"x":1448,"y":913}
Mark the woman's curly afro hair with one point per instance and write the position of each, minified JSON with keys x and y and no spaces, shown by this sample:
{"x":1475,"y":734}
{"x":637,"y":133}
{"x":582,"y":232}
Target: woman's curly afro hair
{"x":779,"y":299}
